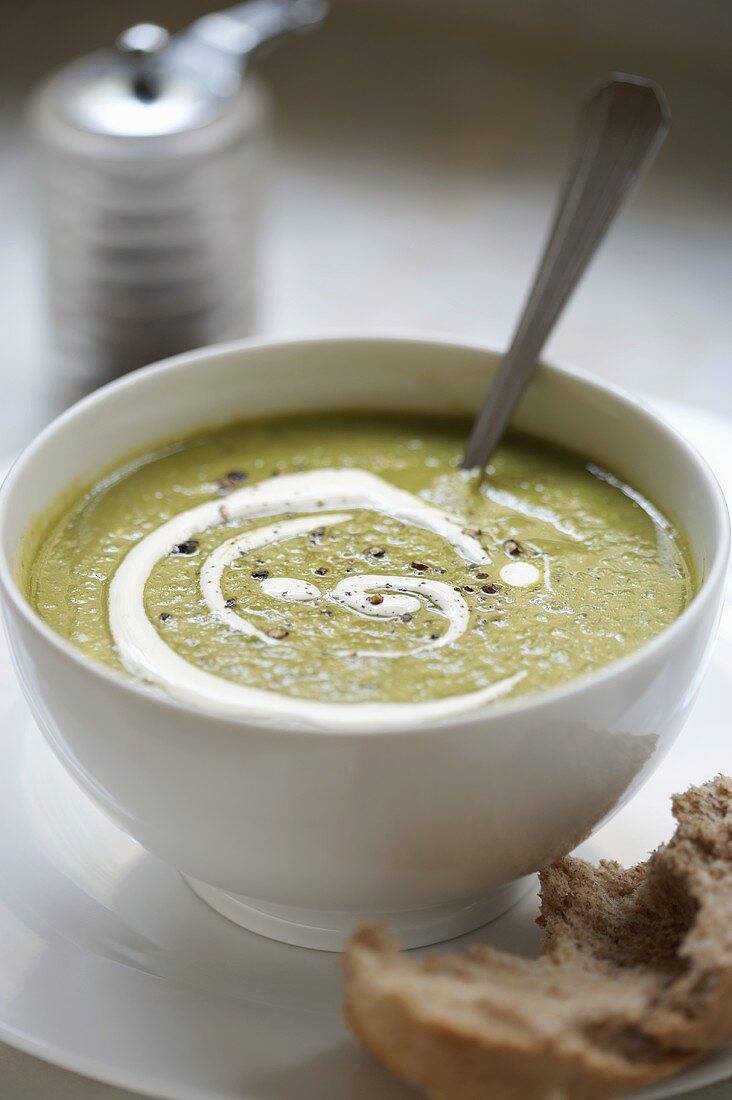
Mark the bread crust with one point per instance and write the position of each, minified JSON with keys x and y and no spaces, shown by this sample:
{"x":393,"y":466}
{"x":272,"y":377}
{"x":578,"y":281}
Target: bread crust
{"x":634,"y":982}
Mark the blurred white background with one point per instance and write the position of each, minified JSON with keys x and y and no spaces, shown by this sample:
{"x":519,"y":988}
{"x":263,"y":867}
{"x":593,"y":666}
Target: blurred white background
{"x":418,"y":148}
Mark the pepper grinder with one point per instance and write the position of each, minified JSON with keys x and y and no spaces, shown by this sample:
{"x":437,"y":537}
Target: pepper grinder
{"x":151,"y":164}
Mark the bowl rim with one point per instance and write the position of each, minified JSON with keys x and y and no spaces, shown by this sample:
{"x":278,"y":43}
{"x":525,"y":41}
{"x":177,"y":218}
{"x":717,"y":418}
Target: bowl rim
{"x":711,"y":588}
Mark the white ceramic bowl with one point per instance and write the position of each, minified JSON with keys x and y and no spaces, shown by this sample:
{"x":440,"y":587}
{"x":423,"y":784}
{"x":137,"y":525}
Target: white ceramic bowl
{"x":296,"y":832}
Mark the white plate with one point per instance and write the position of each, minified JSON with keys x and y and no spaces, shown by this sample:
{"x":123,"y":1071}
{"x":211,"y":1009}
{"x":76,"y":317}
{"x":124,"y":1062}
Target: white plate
{"x":110,"y":966}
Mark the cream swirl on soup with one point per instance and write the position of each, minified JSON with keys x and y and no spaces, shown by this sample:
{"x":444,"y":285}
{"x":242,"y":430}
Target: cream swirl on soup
{"x":316,"y":494}
{"x":340,"y":570}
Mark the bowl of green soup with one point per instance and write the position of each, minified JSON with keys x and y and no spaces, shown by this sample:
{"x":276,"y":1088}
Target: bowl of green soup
{"x":271,"y":627}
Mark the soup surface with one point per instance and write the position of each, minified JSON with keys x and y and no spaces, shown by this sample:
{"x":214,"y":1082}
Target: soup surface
{"x":298,"y":566}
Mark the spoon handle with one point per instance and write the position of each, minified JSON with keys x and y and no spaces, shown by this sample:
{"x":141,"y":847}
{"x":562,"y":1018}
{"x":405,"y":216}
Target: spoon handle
{"x":621,"y":128}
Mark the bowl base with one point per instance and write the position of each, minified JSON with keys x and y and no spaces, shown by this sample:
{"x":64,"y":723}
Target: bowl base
{"x":329,"y":930}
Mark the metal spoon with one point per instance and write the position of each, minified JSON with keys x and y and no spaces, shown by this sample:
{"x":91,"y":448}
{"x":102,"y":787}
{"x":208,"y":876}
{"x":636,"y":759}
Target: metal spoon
{"x":621,"y":128}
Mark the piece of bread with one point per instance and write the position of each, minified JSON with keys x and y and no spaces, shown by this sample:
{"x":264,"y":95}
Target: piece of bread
{"x":634,"y":982}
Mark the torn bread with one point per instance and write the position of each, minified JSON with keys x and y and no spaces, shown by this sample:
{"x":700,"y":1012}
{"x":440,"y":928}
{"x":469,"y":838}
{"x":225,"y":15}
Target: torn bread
{"x":634,"y":982}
